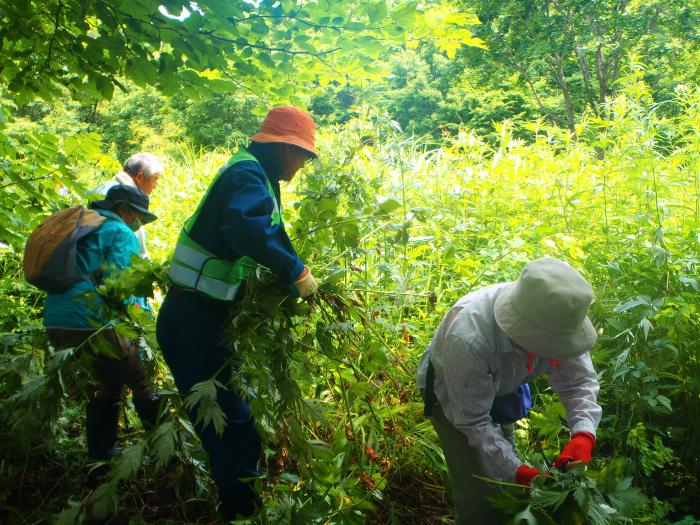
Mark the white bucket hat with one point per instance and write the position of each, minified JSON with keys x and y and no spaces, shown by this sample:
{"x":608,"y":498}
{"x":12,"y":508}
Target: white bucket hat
{"x":544,"y":311}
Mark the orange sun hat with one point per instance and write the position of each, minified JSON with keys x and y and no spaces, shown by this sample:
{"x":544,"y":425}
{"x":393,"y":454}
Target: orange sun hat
{"x":288,"y":125}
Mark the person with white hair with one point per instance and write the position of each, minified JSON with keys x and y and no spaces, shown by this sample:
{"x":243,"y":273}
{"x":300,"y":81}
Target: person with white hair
{"x":141,"y":171}
{"x":474,"y":376}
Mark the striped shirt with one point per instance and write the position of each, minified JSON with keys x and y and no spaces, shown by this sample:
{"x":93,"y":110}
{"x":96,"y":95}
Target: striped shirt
{"x":475,"y":361}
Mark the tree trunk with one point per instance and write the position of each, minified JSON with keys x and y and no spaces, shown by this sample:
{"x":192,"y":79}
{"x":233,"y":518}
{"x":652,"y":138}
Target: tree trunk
{"x":601,"y":70}
{"x":523,"y":73}
{"x":561,"y":79}
{"x":613,"y":68}
{"x":583,"y":66}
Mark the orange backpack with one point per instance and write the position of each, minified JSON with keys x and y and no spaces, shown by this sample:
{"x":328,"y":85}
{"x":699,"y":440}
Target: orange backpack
{"x":51,"y":250}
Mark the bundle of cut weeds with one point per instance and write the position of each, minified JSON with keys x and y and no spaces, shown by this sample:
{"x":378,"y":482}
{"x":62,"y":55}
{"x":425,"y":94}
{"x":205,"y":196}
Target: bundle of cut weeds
{"x":311,"y":372}
{"x":581,"y":496}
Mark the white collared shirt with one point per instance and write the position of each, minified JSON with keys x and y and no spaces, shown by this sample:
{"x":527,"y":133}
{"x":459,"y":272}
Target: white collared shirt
{"x":475,"y":361}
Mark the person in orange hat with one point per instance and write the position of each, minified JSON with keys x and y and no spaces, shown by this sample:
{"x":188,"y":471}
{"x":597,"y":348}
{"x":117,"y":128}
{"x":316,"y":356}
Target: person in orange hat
{"x":237,"y":226}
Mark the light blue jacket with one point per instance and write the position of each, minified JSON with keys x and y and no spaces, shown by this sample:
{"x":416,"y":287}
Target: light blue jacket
{"x":106,"y":250}
{"x":103,"y":189}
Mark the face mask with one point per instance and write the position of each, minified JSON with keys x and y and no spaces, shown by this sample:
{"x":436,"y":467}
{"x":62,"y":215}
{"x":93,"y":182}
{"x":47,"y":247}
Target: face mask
{"x":134,"y":226}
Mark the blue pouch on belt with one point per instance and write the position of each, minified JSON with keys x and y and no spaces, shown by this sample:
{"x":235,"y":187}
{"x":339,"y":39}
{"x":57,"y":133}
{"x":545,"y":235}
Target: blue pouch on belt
{"x":512,"y":407}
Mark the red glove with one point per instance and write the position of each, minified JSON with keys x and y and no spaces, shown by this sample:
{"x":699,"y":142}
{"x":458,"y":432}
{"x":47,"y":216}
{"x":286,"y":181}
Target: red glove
{"x":578,"y":449}
{"x":525,"y":474}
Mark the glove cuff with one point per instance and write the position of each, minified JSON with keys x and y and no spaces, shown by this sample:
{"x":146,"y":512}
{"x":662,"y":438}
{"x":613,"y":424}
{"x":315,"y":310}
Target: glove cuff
{"x":294,"y":290}
{"x":525,"y":474}
{"x":587,"y":435}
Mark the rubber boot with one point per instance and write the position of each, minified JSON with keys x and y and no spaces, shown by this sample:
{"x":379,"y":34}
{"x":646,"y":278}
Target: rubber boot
{"x":150,"y":410}
{"x":101,"y":424}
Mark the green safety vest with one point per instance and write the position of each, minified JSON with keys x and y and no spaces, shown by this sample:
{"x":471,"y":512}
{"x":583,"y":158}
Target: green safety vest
{"x":195,"y":268}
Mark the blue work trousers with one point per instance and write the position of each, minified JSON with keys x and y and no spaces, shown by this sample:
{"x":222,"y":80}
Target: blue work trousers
{"x":189,"y":333}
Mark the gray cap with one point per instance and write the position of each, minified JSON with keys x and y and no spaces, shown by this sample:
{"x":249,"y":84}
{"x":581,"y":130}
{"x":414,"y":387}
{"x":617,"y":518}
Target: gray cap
{"x":544,"y":311}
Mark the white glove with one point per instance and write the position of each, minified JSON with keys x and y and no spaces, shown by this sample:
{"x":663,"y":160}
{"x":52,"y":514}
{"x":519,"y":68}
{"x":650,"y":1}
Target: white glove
{"x":306,"y":284}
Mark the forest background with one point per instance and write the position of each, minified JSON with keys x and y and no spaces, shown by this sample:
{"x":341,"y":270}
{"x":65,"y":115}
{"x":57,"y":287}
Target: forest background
{"x":458,"y":141}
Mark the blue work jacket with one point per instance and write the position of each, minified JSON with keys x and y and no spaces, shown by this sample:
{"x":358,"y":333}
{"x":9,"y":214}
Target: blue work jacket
{"x":106,"y":250}
{"x":234,"y":220}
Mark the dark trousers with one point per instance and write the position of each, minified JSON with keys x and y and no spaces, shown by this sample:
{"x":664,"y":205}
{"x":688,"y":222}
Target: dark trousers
{"x":112,"y":373}
{"x":469,"y":493}
{"x":189,"y":333}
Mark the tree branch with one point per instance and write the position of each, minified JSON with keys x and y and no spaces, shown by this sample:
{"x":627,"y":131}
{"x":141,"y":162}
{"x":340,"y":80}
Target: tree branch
{"x":561,"y":79}
{"x":55,"y":32}
{"x":244,"y":43}
{"x":17,"y":182}
{"x":617,"y":54}
{"x":583,"y":66}
{"x":556,"y":118}
{"x":601,"y":70}
{"x":305,"y":22}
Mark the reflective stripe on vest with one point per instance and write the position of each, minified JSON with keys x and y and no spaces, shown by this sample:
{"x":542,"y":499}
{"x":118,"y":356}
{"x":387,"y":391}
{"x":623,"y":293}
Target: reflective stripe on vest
{"x":196,"y":268}
{"x":194,"y":280}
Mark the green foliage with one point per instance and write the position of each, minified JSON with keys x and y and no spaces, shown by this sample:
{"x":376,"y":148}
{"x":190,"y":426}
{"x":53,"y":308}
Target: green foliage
{"x":87,"y":47}
{"x":653,"y":455}
{"x":83,"y":50}
{"x":579,"y":496}
{"x":419,"y":96}
{"x":144,"y":120}
{"x":569,"y":55}
{"x":397,"y":230}
{"x":139,"y":120}
{"x":203,"y":397}
{"x":311,"y":393}
{"x":225,"y":120}
{"x":39,"y":176}
{"x":34,"y":386}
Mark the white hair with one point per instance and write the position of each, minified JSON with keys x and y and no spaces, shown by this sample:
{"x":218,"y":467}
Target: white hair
{"x":146,"y":162}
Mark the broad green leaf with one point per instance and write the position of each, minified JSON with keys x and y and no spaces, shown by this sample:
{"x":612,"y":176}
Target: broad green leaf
{"x":203,"y":398}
